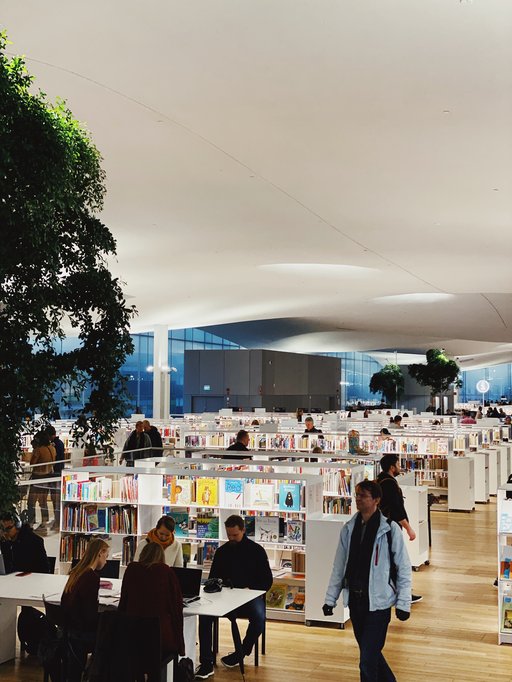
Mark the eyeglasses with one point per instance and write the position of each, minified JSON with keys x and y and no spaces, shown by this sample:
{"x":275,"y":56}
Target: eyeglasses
{"x":362,"y":495}
{"x":6,"y":529}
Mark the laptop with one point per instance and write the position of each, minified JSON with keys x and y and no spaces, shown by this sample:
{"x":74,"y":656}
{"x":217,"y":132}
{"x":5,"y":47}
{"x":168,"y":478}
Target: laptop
{"x":2,"y":565}
{"x":190,"y":583}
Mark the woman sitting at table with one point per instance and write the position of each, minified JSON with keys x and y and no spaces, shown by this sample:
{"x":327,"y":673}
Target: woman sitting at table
{"x":80,"y":604}
{"x":151,"y":589}
{"x":163,"y":535}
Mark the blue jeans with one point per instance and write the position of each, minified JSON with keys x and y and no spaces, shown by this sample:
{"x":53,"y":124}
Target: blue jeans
{"x":254,"y":611}
{"x":370,"y":629}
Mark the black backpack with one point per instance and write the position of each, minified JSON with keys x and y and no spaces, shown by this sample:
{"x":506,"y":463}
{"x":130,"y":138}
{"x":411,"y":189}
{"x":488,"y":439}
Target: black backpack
{"x":32,"y":628}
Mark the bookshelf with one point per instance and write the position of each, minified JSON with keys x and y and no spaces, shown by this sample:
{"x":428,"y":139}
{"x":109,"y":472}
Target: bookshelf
{"x":504,"y":525}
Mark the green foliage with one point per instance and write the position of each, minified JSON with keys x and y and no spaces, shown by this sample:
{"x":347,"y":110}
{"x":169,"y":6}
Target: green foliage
{"x":389,"y":381}
{"x":53,"y":271}
{"x":439,"y":372}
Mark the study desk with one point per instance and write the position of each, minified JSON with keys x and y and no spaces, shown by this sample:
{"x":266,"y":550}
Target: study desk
{"x":28,"y":590}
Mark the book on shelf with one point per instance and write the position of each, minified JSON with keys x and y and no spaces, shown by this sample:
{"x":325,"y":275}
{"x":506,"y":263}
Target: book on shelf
{"x":259,"y":496}
{"x":186,"y":548}
{"x":128,"y":551}
{"x":250,"y":523}
{"x":180,"y":491}
{"x":276,"y":596}
{"x":295,"y":598}
{"x":209,"y":549}
{"x":207,"y":492}
{"x":207,"y":526}
{"x":298,"y":561}
{"x":289,"y":496}
{"x":506,"y":611}
{"x":90,"y":512}
{"x":267,"y":529}
{"x":295,"y":531}
{"x":181,"y":521}
{"x":233,"y":493}
{"x":505,"y":562}
{"x":506,"y":522}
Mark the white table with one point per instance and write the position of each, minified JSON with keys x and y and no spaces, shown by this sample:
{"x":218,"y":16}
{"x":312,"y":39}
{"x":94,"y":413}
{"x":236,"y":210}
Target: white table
{"x":28,"y":590}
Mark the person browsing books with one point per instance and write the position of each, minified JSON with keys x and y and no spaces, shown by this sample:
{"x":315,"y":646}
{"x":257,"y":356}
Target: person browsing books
{"x":137,"y":445}
{"x":80,"y":605}
{"x":241,"y":563}
{"x":240,"y":445}
{"x":150,"y":588}
{"x":368,"y":549}
{"x":310,"y":426}
{"x":163,"y":535}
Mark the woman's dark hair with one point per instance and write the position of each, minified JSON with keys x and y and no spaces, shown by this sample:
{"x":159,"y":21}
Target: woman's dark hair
{"x":152,"y":553}
{"x":166,"y":521}
{"x":385,"y":432}
{"x":41,"y":438}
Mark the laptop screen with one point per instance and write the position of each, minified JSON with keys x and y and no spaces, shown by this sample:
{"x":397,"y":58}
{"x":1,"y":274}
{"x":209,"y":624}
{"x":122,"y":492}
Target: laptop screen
{"x":189,"y":580}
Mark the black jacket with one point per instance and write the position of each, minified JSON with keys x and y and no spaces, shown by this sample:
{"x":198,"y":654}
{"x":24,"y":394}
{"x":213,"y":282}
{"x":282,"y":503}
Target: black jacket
{"x":26,"y":553}
{"x":239,"y":447}
{"x":60,"y":455}
{"x":156,"y":440}
{"x":244,"y":563}
{"x":392,"y":502}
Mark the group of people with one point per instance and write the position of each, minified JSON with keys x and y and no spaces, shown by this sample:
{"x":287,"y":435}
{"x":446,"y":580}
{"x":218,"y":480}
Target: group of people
{"x":144,"y":441}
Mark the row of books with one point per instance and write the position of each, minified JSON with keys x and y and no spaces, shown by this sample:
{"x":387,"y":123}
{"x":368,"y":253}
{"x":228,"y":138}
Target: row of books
{"x":431,"y":463}
{"x":89,"y":518}
{"x":263,"y":528}
{"x":338,"y":482}
{"x":233,"y":493}
{"x":100,"y":489}
{"x":288,"y":597}
{"x":337,"y":505}
{"x":72,"y":546}
{"x":438,"y":480}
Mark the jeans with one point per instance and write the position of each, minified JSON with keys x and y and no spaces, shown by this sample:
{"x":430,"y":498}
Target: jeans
{"x":370,"y":629}
{"x":254,"y":611}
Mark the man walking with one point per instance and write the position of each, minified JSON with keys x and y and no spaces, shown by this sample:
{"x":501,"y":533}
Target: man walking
{"x":373,"y":570}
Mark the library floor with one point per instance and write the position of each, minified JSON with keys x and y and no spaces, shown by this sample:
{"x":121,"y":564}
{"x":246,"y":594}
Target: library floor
{"x":451,"y":636}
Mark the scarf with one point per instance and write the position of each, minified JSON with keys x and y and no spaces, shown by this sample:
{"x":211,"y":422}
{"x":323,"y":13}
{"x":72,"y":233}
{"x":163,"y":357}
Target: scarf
{"x":153,"y":537}
{"x":357,"y":574}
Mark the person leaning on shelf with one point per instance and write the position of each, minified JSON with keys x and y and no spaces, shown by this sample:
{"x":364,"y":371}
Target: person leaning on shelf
{"x":163,"y":535}
{"x":368,"y":549}
{"x":242,"y":563}
{"x":150,"y":588}
{"x":80,"y":605}
{"x":137,"y":440}
{"x":240,"y":445}
{"x":154,"y":437}
{"x":396,"y":422}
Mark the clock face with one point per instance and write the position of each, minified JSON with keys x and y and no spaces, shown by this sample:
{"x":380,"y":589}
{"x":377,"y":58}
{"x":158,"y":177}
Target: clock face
{"x":483,"y":386}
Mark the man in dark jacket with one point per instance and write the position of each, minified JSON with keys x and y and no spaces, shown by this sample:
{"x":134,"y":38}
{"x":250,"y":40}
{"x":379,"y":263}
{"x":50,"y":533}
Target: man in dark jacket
{"x":241,"y":563}
{"x":240,"y":445}
{"x":154,"y":437}
{"x":21,"y":548}
{"x":58,"y":466}
{"x":136,"y":446}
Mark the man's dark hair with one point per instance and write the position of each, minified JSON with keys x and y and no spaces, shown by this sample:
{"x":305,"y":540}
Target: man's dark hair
{"x":50,"y":430}
{"x":10,"y":516}
{"x":234,"y":520}
{"x":388,"y":461}
{"x":372,"y":487}
{"x":397,"y":419}
{"x":242,"y":434}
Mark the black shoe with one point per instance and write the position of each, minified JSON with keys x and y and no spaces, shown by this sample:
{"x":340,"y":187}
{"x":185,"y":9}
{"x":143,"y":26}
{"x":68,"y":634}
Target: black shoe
{"x":415,"y":598}
{"x":230,"y":661}
{"x":205,"y":670}
{"x":495,"y":583}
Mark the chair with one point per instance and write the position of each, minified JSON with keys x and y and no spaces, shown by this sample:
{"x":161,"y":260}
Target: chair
{"x":128,"y":649}
{"x":54,"y":646}
{"x":110,"y":570}
{"x":51,"y":564}
{"x":237,"y":640}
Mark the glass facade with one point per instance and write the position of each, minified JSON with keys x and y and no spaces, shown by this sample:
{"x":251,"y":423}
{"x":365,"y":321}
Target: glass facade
{"x":356,"y":371}
{"x":499,"y":378}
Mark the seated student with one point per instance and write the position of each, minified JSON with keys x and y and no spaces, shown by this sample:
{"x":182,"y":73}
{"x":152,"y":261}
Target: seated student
{"x":242,"y":563}
{"x":80,"y":604}
{"x":21,"y":548}
{"x":150,"y":588}
{"x":163,"y":535}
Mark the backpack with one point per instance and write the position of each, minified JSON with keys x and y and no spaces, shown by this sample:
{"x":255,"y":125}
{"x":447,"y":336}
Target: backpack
{"x":32,"y":628}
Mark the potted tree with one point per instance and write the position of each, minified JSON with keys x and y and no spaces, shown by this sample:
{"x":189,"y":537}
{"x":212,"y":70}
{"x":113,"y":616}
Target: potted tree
{"x":389,"y":381}
{"x":439,"y":373}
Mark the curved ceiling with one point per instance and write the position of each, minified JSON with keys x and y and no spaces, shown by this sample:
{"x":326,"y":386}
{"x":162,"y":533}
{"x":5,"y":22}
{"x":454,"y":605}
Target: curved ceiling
{"x":345,"y":167}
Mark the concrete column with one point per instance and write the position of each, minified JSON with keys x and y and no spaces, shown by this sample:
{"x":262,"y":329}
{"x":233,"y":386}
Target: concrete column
{"x":161,"y":376}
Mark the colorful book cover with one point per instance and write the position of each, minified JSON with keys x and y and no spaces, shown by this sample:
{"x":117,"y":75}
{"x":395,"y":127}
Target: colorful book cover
{"x":295,"y":531}
{"x":276,"y":596}
{"x":249,"y":526}
{"x":91,"y":518}
{"x":181,"y":519}
{"x":259,"y":496}
{"x":295,"y":598}
{"x":207,"y":526}
{"x":102,"y":520}
{"x":209,"y":549}
{"x":267,"y":529}
{"x":233,"y":493}
{"x":181,"y":492}
{"x":207,"y":492}
{"x":289,"y":496}
{"x":186,"y":548}
{"x":507,"y":613}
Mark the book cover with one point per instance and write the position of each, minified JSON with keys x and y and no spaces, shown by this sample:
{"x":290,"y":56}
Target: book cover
{"x":209,"y":549}
{"x":207,"y":526}
{"x":181,"y":519}
{"x":249,"y":526}
{"x":207,"y":492}
{"x":259,"y":496}
{"x":295,"y":598}
{"x":233,"y":493}
{"x":295,"y":531}
{"x":181,"y":492}
{"x":289,"y":496}
{"x":505,"y":522}
{"x":507,"y":613}
{"x":102,"y":520}
{"x":91,"y":518}
{"x":267,"y":529}
{"x":276,"y":596}
{"x":186,"y":548}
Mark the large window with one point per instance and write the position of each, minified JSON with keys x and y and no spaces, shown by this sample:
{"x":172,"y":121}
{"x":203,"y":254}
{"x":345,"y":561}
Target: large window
{"x":499,"y":378}
{"x":356,"y":371}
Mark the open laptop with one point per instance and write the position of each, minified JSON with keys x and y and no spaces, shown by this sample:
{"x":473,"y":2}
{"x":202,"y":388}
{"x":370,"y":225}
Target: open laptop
{"x":190,"y":583}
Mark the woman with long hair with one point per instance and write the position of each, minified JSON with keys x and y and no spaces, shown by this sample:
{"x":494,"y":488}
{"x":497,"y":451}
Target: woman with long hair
{"x":151,"y":589}
{"x":163,"y":535}
{"x":80,"y":604}
{"x":43,"y":455}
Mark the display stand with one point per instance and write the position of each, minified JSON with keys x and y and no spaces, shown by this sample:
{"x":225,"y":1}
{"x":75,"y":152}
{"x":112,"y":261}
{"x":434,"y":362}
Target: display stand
{"x":461,"y":493}
{"x":504,"y":525}
{"x":481,"y":459}
{"x":416,"y":506}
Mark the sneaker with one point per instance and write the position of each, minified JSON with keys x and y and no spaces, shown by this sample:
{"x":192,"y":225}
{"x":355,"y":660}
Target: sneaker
{"x":230,"y":661}
{"x":415,"y":598}
{"x":205,"y":670}
{"x":495,"y":583}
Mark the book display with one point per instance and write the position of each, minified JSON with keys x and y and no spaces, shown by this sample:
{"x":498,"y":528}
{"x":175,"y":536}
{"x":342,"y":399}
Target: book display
{"x":504,"y":510}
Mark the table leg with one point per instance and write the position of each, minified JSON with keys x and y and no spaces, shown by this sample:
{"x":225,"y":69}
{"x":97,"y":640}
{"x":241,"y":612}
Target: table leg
{"x":7,"y":631}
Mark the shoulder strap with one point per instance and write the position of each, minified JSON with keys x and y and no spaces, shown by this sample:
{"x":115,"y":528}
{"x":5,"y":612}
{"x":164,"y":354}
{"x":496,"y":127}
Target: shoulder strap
{"x":392,"y":565}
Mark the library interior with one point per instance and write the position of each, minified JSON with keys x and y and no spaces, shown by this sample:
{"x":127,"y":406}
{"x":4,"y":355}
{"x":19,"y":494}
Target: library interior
{"x":305,"y":199}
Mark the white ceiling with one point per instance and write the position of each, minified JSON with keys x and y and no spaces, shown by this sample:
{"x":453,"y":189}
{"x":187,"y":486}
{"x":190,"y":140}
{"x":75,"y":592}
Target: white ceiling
{"x":346,"y":164}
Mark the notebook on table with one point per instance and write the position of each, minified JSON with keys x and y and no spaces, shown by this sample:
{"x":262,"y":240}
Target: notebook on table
{"x":190,"y":583}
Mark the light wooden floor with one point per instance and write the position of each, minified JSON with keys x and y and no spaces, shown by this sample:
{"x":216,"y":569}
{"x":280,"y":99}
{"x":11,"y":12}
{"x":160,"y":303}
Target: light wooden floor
{"x":451,"y":636}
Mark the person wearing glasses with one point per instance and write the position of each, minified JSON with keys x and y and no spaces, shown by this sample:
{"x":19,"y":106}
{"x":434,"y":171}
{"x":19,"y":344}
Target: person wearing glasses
{"x":21,"y":548}
{"x":373,"y":571}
